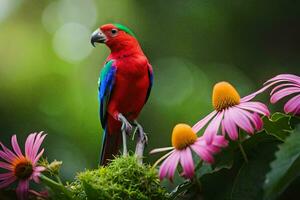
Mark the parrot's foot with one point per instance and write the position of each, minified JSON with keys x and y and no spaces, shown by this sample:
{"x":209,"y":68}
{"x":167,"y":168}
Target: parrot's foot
{"x":142,"y":135}
{"x":125,"y":128}
{"x":141,"y":142}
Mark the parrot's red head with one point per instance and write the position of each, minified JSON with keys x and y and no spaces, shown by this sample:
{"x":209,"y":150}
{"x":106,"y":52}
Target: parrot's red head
{"x":115,"y":36}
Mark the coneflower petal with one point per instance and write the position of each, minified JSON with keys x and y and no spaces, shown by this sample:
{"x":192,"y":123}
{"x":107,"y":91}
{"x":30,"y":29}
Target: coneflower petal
{"x":283,"y":93}
{"x":199,"y":125}
{"x":292,"y":105}
{"x":187,"y":163}
{"x":213,"y":127}
{"x":15,"y":145}
{"x":7,"y":182}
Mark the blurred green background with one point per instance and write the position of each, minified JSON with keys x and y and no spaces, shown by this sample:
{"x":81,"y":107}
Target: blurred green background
{"x":49,"y":70}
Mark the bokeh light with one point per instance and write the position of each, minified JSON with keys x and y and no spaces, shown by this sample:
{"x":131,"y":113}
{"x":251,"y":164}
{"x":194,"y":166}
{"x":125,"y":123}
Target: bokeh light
{"x":70,"y":42}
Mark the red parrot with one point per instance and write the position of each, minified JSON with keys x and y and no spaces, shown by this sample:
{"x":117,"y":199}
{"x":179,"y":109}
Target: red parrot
{"x":124,"y":86}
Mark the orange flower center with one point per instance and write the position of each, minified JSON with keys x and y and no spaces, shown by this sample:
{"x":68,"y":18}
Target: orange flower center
{"x":224,"y":96}
{"x":183,"y":136}
{"x":23,"y":168}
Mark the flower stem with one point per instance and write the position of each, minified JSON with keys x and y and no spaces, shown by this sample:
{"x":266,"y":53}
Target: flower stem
{"x":198,"y":183}
{"x":55,"y":185}
{"x":242,"y":150}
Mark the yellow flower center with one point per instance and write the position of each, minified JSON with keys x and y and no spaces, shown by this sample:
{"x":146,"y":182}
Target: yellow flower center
{"x":224,"y":96}
{"x":23,"y":168}
{"x":183,"y":136}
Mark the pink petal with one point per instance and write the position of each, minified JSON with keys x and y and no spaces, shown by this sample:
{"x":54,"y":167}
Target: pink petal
{"x":258,"y":122}
{"x":39,"y":169}
{"x":285,"y":77}
{"x":283,"y":93}
{"x":187,"y":163}
{"x":8,"y":152}
{"x":251,"y":96}
{"x":213,"y":127}
{"x":200,"y":124}
{"x":7,"y":175}
{"x":202,"y":152}
{"x":15,"y":145}
{"x":22,"y":189}
{"x":36,"y":159}
{"x":173,"y":166}
{"x":7,"y":166}
{"x":292,"y":105}
{"x":254,"y":106}
{"x":5,"y":157}
{"x":229,"y":125}
{"x":240,"y":119}
{"x":284,"y":85}
{"x":163,"y":170}
{"x":28,"y":145}
{"x":38,"y":141}
{"x":220,"y":141}
{"x":7,"y":182}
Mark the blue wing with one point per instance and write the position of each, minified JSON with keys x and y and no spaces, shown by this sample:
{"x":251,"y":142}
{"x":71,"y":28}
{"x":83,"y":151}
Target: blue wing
{"x":150,"y":74}
{"x":106,"y":83}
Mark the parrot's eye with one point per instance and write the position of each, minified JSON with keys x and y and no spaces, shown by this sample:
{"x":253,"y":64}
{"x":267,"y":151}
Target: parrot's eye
{"x":114,"y":32}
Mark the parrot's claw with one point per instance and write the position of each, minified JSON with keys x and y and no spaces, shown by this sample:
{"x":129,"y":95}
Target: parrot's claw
{"x":126,"y":126}
{"x":143,"y":136}
{"x":141,"y":142}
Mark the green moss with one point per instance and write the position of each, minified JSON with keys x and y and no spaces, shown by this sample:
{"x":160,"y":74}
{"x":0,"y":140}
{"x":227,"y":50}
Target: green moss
{"x":123,"y":178}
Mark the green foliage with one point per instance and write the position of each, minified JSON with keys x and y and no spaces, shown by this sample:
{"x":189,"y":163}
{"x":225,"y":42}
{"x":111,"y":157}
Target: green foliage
{"x":123,"y":178}
{"x":285,"y":168}
{"x":278,"y":125}
{"x":230,"y":174}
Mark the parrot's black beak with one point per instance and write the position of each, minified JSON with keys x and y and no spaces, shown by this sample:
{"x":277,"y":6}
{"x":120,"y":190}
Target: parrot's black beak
{"x":98,"y":36}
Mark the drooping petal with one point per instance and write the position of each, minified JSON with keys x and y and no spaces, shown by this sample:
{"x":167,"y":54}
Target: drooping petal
{"x":240,"y":119}
{"x":22,"y":189}
{"x":283,"y":93}
{"x":200,"y":124}
{"x":163,"y":170}
{"x":258,"y":122}
{"x":292,"y":105}
{"x":220,"y":141}
{"x":15,"y":145}
{"x":6,"y":182}
{"x":202,"y":152}
{"x":174,"y":160}
{"x":213,"y":127}
{"x":6,"y":175}
{"x":158,"y":150}
{"x":229,"y":125}
{"x":187,"y":163}
{"x":252,"y":95}
{"x":255,"y":106}
{"x":7,"y":166}
{"x":284,"y":85}
{"x":285,"y":77}
{"x":8,"y":152}
{"x":5,"y":157}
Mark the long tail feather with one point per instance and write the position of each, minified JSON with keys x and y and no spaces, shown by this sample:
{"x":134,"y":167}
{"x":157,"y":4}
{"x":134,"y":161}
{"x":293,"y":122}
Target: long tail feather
{"x":110,"y":146}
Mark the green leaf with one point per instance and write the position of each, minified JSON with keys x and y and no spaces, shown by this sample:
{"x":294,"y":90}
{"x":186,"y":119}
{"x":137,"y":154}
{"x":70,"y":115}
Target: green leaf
{"x":243,"y":181}
{"x":278,"y":125}
{"x":285,"y":168}
{"x":249,"y":180}
{"x":180,"y":189}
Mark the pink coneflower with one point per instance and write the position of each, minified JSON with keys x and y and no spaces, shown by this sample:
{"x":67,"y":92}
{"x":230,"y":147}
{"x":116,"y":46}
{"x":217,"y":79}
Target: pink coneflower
{"x":288,"y":84}
{"x":232,"y":112}
{"x":184,"y":141}
{"x":22,"y":168}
